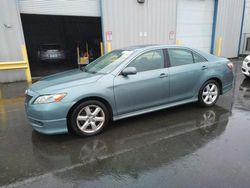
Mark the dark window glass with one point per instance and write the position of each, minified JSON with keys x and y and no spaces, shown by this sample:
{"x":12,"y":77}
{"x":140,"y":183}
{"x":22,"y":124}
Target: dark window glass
{"x":179,"y":57}
{"x":248,"y":44}
{"x":198,"y":59}
{"x":149,"y":61}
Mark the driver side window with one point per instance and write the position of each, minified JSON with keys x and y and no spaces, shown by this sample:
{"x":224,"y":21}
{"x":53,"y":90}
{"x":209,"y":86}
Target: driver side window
{"x":148,"y":61}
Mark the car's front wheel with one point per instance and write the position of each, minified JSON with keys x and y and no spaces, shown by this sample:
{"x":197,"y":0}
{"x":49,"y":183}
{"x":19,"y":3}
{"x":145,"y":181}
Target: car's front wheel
{"x":246,"y":76}
{"x":89,"y":118}
{"x":209,"y":93}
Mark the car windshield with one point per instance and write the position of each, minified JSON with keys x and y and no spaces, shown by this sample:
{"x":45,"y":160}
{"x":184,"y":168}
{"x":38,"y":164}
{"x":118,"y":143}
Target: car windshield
{"x":108,"y":62}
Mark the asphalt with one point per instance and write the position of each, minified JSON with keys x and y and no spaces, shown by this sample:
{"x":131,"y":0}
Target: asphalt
{"x":185,"y":146}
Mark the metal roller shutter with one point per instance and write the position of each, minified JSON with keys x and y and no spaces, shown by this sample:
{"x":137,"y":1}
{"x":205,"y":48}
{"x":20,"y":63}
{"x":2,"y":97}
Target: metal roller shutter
{"x":195,"y":22}
{"x":61,"y":7}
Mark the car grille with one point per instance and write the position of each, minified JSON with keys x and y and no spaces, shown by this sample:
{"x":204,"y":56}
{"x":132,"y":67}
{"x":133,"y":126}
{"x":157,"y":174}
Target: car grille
{"x":27,"y":98}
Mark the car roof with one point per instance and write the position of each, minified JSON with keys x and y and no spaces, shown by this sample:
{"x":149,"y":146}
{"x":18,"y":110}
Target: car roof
{"x":151,"y":46}
{"x":137,"y":48}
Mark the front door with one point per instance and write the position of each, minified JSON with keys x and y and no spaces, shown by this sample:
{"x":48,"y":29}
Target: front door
{"x":149,"y":87}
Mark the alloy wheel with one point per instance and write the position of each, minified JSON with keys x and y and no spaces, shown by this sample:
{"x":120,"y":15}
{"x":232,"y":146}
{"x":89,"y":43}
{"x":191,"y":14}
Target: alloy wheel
{"x":210,"y":93}
{"x":90,"y":119}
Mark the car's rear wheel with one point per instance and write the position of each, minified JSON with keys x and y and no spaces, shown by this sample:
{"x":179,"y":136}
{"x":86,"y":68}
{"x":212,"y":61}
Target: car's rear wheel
{"x":89,"y":118}
{"x":209,"y":93}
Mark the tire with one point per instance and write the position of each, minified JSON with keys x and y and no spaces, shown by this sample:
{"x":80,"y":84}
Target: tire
{"x":89,"y":118}
{"x":247,"y":76}
{"x":208,"y":96}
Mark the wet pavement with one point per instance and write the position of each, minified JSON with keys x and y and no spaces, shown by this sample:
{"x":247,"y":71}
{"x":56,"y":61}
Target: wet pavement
{"x":185,"y":146}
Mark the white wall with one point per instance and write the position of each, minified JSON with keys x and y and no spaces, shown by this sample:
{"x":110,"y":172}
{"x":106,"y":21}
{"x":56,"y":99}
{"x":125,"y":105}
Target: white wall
{"x":11,"y":34}
{"x":228,"y":26}
{"x":11,"y":39}
{"x":246,"y":28}
{"x":132,"y":23}
{"x":195,"y":23}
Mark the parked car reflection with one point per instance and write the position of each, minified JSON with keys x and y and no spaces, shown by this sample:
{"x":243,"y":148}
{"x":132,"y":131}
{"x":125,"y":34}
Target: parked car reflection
{"x":50,"y":53}
{"x":244,"y":95}
{"x":134,"y":145}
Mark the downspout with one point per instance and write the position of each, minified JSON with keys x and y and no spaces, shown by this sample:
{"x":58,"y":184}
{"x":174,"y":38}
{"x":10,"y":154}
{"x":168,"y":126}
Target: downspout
{"x":214,"y":26}
{"x":242,"y":22}
{"x":102,"y":23}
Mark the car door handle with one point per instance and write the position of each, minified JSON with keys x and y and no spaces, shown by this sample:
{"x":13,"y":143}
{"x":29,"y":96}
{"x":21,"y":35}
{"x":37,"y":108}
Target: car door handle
{"x":204,"y":67}
{"x":163,"y":75}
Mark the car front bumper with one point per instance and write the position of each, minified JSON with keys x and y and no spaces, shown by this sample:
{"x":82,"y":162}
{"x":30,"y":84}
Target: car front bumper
{"x":57,"y":126}
{"x":48,"y":118}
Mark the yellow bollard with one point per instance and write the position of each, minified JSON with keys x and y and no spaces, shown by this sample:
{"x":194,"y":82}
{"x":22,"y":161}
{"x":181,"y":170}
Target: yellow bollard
{"x":1,"y":95}
{"x":3,"y":113}
{"x":78,"y":55}
{"x":108,"y":46}
{"x":219,"y":46}
{"x":25,"y":58}
{"x":178,"y":42}
{"x":101,"y":48}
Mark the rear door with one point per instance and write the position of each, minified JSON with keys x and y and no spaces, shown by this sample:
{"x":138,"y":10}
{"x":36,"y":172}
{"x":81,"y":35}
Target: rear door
{"x":185,"y":72}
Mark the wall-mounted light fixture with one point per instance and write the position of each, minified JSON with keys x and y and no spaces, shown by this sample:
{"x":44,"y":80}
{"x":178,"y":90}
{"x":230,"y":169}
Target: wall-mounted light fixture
{"x":141,"y":1}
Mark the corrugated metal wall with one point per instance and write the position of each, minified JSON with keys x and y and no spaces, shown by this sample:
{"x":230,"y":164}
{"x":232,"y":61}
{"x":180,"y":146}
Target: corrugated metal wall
{"x":11,"y":38}
{"x":61,"y":7}
{"x":132,"y":23}
{"x":246,"y":26}
{"x":228,"y":26}
{"x":246,"y":29}
{"x":11,"y":35}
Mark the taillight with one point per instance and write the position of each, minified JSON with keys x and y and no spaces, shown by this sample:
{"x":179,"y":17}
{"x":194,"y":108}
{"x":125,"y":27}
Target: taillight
{"x":230,"y":66}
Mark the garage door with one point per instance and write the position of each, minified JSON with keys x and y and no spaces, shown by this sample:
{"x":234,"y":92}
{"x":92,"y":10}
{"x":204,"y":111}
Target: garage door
{"x":61,"y":7}
{"x":195,"y":22}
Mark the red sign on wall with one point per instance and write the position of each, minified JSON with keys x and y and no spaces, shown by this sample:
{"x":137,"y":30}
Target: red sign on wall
{"x":109,"y":35}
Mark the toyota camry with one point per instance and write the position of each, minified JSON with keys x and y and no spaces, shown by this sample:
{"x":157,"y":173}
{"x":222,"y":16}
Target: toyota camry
{"x":124,"y":83}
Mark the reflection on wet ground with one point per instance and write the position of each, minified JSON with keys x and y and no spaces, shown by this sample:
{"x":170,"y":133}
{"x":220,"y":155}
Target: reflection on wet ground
{"x":185,"y":146}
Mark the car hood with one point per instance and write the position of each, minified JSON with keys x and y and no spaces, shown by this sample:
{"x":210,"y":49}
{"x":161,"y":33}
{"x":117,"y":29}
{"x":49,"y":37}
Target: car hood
{"x":63,"y":80}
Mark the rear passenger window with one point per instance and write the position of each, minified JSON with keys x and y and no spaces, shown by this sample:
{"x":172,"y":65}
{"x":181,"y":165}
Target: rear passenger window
{"x":198,"y":59}
{"x":148,"y":61}
{"x":179,"y":57}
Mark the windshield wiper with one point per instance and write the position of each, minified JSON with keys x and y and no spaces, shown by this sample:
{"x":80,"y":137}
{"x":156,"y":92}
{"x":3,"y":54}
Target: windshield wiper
{"x":86,"y":70}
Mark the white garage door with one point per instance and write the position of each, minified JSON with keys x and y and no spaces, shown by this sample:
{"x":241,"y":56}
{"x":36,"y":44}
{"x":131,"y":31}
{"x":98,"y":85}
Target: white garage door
{"x":61,"y":7}
{"x":194,"y":23}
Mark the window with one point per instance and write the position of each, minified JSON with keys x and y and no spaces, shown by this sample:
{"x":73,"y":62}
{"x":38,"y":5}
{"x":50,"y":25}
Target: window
{"x":108,"y":62}
{"x":179,"y":57}
{"x":198,"y":59}
{"x":248,"y":44}
{"x":149,"y":61}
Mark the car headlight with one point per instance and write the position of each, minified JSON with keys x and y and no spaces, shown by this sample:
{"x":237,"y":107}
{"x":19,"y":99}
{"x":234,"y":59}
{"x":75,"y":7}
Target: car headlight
{"x":49,"y":98}
{"x":246,"y":60}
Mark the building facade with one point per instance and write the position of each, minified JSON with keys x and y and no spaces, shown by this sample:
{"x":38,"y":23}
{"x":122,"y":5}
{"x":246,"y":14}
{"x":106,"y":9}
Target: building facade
{"x":245,"y":34}
{"x":83,"y":25}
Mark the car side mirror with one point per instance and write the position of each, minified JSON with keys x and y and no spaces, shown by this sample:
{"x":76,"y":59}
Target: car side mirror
{"x":129,"y":71}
